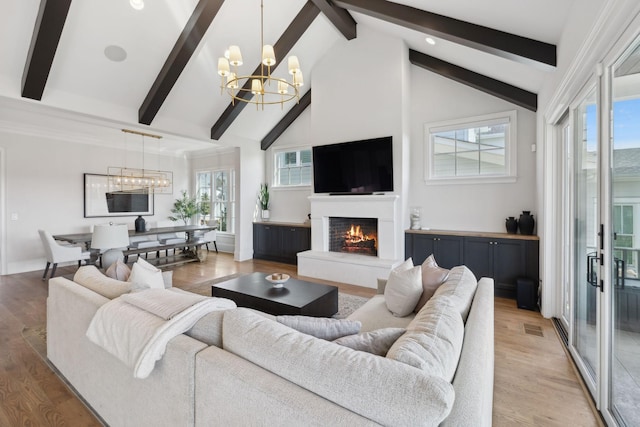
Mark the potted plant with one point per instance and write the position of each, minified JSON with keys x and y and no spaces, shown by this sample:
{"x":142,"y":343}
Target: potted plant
{"x":204,"y":208}
{"x":263,"y":199}
{"x":184,"y":208}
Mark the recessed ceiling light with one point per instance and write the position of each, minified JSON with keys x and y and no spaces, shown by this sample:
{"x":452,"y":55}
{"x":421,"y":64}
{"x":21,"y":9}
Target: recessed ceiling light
{"x":115,"y":53}
{"x":137,"y":4}
{"x":430,"y":40}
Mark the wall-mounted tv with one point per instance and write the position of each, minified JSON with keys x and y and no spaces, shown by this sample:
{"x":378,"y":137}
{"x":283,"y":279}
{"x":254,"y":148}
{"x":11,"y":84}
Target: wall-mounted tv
{"x":356,"y":167}
{"x":118,"y":202}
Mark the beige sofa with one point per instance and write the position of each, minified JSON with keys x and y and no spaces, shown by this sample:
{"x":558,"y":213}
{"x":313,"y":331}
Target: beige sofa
{"x":242,"y":368}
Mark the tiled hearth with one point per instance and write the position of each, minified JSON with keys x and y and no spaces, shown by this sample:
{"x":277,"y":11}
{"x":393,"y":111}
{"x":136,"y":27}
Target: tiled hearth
{"x":349,"y":266}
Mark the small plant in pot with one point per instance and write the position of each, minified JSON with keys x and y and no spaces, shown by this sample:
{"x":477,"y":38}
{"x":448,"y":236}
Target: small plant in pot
{"x":263,"y":200}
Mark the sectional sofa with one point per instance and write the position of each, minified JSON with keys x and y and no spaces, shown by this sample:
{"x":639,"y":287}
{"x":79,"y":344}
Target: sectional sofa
{"x":240,"y":367}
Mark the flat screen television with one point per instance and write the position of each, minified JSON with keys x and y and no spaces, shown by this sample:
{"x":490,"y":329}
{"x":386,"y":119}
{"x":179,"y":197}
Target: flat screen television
{"x":356,"y":167}
{"x":127,"y":202}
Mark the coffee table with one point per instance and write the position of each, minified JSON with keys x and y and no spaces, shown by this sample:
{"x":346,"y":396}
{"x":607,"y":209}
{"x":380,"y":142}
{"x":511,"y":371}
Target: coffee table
{"x":296,"y":297}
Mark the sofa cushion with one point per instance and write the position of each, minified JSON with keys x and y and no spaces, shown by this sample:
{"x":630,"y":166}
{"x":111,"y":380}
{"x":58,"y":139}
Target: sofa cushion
{"x":92,"y":278}
{"x":375,"y":342}
{"x":321,"y":327}
{"x":403,"y":289}
{"x":118,"y":270}
{"x":355,"y":380}
{"x":460,"y":286}
{"x":432,"y":277}
{"x":433,"y":340}
{"x":374,"y":314}
{"x":144,"y":275}
{"x":208,"y":329}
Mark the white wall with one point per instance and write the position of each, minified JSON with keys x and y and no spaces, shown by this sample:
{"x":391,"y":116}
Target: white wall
{"x":357,"y":96}
{"x":470,"y":207}
{"x":43,"y":182}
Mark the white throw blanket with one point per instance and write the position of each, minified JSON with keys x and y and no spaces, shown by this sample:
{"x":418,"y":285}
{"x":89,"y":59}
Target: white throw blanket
{"x":136,"y":327}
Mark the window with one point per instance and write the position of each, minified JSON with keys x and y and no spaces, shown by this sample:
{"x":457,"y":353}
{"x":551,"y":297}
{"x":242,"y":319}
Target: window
{"x":472,"y":150}
{"x":218,"y":187}
{"x":292,"y":168}
{"x":624,"y":232}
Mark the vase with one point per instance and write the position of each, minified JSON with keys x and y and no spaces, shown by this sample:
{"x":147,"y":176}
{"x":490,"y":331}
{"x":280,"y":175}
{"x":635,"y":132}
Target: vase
{"x":265,"y":214}
{"x":512,"y":225}
{"x":526,"y":223}
{"x":140,"y":224}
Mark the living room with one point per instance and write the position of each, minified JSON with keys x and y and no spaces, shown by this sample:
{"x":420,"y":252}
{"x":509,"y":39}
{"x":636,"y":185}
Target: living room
{"x":46,"y":147}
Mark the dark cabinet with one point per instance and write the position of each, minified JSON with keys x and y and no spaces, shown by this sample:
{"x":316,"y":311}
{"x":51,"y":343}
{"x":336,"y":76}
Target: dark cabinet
{"x":505,"y":259}
{"x":447,"y":250}
{"x":280,"y":242}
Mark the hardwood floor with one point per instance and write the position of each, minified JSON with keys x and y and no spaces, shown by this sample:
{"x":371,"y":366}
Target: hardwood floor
{"x":534,"y":383}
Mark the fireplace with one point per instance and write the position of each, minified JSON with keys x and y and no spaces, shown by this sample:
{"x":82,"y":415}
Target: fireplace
{"x":353,"y":235}
{"x":356,"y":268}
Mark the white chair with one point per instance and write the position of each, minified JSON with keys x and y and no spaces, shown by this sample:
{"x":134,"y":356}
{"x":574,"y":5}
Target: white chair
{"x":209,"y":236}
{"x":57,"y":253}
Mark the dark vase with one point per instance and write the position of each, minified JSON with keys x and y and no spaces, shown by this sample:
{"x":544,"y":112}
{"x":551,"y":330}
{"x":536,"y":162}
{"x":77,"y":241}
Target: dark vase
{"x":512,"y":225}
{"x":526,"y":223}
{"x":141,"y":224}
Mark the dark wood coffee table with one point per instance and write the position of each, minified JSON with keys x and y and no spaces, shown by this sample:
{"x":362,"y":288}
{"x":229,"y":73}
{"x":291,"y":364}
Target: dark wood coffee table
{"x":296,"y":297}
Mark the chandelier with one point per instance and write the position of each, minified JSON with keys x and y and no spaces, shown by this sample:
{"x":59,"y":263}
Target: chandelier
{"x":264,"y":88}
{"x":140,"y":180}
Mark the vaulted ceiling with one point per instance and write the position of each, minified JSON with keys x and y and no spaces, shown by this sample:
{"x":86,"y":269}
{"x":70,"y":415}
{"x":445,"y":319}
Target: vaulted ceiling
{"x":155,"y":69}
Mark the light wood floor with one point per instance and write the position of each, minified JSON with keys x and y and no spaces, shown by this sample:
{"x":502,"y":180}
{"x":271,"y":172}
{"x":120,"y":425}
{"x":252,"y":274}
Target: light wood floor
{"x":534,"y":385}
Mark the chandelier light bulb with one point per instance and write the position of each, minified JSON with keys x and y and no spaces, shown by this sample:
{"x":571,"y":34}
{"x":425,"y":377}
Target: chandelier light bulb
{"x":283,"y":87}
{"x":235,"y":57}
{"x":223,"y":67}
{"x":268,"y":55}
{"x":256,"y":87}
{"x":294,"y":65}
{"x":232,"y":82}
{"x":298,"y":80}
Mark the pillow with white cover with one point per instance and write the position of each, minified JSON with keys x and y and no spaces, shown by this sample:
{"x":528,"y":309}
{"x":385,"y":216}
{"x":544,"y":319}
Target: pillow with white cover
{"x":119,"y":271}
{"x":91,"y":278}
{"x":375,"y":342}
{"x":433,"y":341}
{"x":145,"y":276}
{"x":321,"y":327}
{"x":432,"y":277}
{"x":403,"y":289}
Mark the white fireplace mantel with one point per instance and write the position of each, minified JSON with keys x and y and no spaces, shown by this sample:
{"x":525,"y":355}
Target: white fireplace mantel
{"x":351,"y":268}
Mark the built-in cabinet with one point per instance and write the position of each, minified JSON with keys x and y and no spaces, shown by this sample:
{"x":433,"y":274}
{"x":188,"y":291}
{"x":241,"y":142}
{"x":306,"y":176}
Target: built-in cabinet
{"x":501,"y":256}
{"x":280,"y":241}
{"x":447,"y":250}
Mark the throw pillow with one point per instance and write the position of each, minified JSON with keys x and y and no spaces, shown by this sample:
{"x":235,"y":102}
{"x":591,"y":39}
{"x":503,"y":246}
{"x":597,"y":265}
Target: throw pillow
{"x":119,"y":271}
{"x":321,"y":327}
{"x":433,"y":340}
{"x":144,"y":276}
{"x":376,"y":342}
{"x":92,"y":278}
{"x":432,"y":277}
{"x":403,"y":290}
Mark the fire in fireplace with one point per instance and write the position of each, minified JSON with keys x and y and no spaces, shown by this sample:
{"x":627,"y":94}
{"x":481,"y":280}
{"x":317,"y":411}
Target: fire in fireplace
{"x":354,"y":235}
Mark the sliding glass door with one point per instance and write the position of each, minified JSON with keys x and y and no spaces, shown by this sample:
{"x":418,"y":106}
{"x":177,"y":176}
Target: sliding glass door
{"x":624,"y":203}
{"x":586,"y":250}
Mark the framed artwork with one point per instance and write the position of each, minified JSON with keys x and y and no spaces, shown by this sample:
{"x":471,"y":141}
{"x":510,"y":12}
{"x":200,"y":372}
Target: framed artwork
{"x":101,"y":199}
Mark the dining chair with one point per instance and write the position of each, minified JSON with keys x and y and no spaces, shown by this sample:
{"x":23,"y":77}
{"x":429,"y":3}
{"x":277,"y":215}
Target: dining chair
{"x":56,"y":253}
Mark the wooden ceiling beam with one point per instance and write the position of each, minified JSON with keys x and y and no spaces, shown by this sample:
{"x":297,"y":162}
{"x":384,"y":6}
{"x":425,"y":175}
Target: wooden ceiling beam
{"x":291,"y":35}
{"x":500,"y":43}
{"x":44,"y":43}
{"x":286,"y":121}
{"x":339,"y":17}
{"x":477,"y":81}
{"x":177,"y":60}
